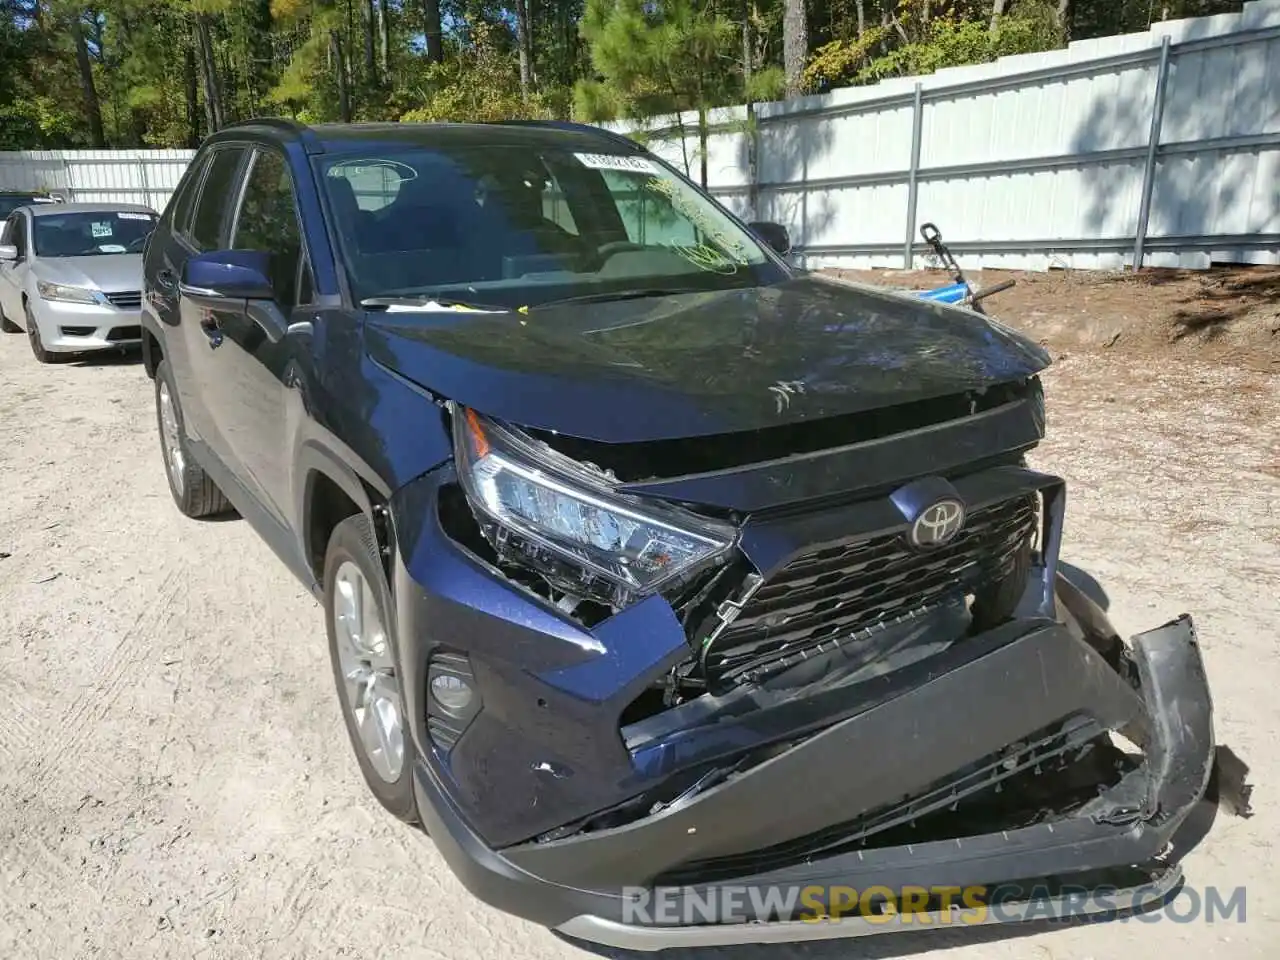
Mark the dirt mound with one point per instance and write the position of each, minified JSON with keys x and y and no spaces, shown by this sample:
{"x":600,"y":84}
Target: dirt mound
{"x":1228,"y":314}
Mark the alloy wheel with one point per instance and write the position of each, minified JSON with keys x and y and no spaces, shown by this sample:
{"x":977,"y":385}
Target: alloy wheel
{"x":174,"y":459}
{"x":368,"y":672}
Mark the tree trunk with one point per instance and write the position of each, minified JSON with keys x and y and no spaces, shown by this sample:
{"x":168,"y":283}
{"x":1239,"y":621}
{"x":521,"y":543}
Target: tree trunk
{"x":1064,"y":19}
{"x":370,"y":27}
{"x":209,"y":71}
{"x":340,"y":68}
{"x":384,"y":39}
{"x":997,"y":11}
{"x":522,"y":41}
{"x":795,"y":45}
{"x":191,"y":83}
{"x":861,"y":7}
{"x":703,"y":137}
{"x":91,"y":105}
{"x":431,"y":28}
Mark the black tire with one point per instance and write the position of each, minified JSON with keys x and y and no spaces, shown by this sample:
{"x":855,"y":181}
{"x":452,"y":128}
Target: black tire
{"x":7,"y":325}
{"x":195,"y":494}
{"x":353,"y":541}
{"x":33,"y":337}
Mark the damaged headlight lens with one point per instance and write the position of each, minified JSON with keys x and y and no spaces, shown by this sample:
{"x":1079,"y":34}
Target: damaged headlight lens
{"x":569,"y":525}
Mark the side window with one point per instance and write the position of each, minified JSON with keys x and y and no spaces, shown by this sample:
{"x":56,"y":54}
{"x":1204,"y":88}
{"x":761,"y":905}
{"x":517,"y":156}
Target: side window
{"x":555,"y":206}
{"x":19,"y":236}
{"x":649,"y":216}
{"x":267,"y":221}
{"x":216,"y":197}
{"x":182,"y":204}
{"x":8,"y":230}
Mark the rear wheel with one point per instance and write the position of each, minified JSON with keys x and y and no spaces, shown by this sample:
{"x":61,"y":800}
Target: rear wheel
{"x":366,"y":668}
{"x":194,"y":493}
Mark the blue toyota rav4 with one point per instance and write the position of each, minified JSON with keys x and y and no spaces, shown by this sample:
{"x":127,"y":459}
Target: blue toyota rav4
{"x":651,"y":565}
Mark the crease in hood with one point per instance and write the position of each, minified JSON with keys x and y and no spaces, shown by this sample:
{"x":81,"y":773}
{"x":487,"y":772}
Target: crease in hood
{"x":696,"y":364}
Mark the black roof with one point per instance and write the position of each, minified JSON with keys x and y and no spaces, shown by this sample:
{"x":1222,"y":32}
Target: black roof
{"x":341,"y":137}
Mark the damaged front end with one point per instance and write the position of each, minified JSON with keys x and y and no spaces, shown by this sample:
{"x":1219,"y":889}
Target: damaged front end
{"x":737,"y":677}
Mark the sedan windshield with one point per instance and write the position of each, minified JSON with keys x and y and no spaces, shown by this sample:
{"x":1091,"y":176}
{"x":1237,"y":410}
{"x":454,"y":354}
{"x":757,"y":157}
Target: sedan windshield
{"x":525,"y":226}
{"x":91,"y":234}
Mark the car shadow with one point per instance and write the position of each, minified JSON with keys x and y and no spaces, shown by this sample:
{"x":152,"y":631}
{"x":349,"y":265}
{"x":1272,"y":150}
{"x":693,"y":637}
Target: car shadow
{"x":124,"y":356}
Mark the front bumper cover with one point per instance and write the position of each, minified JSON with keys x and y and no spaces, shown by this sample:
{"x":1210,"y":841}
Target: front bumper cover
{"x":1016,"y":681}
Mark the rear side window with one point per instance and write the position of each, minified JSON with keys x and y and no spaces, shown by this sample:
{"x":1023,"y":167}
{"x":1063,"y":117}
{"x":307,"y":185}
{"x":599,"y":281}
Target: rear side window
{"x":217,"y":197}
{"x":186,"y":200}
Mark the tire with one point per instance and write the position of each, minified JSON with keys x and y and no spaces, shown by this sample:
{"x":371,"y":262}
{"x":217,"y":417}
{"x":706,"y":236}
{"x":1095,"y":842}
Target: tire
{"x":37,"y":344}
{"x":353,"y":550}
{"x":7,"y":325}
{"x":195,"y":494}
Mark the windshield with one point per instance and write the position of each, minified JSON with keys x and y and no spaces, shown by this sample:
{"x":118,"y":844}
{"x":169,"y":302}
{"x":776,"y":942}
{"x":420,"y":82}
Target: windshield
{"x":10,"y":202}
{"x":91,"y":234}
{"x":520,"y":226}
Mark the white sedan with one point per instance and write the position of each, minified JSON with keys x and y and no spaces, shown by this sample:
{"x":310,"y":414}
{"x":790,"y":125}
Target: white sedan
{"x":71,"y":276}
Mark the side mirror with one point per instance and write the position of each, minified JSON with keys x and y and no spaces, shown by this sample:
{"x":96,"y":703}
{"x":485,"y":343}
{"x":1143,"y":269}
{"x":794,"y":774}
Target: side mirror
{"x":214,"y":278}
{"x":773,"y":234}
{"x":8,"y":252}
{"x":238,"y":281}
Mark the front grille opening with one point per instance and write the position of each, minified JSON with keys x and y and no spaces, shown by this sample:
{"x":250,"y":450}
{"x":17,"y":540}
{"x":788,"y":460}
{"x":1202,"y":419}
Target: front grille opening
{"x":632,"y":463}
{"x":848,"y":592}
{"x":125,"y":299}
{"x":1048,"y":777}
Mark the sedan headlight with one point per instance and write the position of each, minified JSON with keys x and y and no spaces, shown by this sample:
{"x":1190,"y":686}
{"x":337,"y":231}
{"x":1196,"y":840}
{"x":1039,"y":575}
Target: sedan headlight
{"x":571,"y":525}
{"x":61,"y":291}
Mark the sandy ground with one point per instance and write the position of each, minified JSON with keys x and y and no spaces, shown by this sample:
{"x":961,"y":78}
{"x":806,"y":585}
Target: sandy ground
{"x":174,"y":776}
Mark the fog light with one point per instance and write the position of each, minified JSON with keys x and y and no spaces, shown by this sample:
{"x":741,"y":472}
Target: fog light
{"x":451,"y":692}
{"x":453,"y":698}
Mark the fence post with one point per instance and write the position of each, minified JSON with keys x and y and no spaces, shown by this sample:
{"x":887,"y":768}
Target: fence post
{"x":143,"y":163}
{"x":753,"y":160}
{"x":917,"y":128}
{"x":1153,"y":150}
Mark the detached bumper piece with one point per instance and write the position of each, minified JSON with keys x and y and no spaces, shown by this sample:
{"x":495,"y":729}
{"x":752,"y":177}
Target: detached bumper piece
{"x":995,"y":766}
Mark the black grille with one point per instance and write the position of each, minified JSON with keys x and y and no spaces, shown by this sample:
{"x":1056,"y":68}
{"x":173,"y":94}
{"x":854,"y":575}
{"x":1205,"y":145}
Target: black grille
{"x":125,"y":299}
{"x":831,"y":594}
{"x":125,"y":333}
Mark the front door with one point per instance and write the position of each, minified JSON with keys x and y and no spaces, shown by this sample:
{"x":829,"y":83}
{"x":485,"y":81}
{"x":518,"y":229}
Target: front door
{"x":249,"y":390}
{"x":197,"y":365}
{"x":13,"y":273}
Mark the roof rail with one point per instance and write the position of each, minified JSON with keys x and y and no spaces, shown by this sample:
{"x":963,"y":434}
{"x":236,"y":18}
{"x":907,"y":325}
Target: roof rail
{"x":283,"y":124}
{"x":617,"y":138}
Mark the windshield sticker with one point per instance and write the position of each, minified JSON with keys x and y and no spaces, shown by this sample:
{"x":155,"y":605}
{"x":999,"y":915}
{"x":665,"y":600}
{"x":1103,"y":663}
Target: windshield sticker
{"x":100,"y":229}
{"x":616,"y":161}
{"x":125,"y":215}
{"x":112,"y":248}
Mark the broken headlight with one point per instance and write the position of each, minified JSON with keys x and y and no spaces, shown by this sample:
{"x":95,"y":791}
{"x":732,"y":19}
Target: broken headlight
{"x":542,"y":509}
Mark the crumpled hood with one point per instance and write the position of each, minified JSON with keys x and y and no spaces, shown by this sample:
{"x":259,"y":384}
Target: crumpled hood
{"x":701,"y":363}
{"x":110,"y":272}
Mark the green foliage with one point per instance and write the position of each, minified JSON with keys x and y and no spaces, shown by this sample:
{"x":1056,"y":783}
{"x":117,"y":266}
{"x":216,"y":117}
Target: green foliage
{"x":164,"y":73}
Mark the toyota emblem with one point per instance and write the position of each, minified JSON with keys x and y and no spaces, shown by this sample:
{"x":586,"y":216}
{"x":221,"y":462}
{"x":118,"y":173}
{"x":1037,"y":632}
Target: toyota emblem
{"x":938,"y":524}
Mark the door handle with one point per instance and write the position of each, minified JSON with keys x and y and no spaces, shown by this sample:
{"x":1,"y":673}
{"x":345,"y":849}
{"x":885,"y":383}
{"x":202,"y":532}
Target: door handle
{"x":212,"y":329}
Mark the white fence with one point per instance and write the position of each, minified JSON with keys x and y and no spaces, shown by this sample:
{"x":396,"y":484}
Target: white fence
{"x":1164,"y":143}
{"x":1160,"y":147}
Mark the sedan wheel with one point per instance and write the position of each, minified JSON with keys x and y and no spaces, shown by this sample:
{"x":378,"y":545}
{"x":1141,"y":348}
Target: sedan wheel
{"x":33,"y":335}
{"x":171,"y":440}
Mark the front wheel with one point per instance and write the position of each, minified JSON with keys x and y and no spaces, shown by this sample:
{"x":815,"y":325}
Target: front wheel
{"x":38,"y":349}
{"x":358,"y":615}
